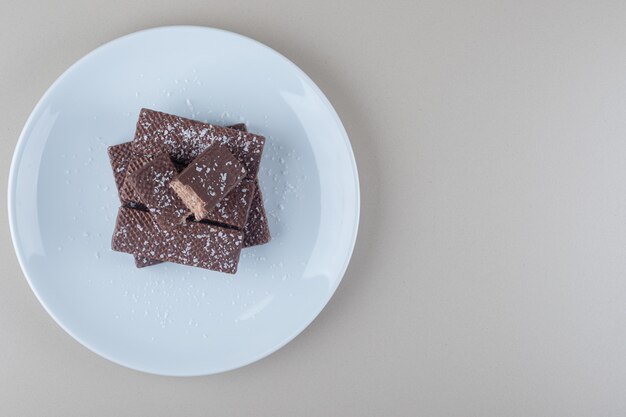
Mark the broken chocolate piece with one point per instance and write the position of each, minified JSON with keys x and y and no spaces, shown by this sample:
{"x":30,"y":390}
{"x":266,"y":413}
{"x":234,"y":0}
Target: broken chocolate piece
{"x":256,"y":231}
{"x":151,"y":184}
{"x":229,"y":212}
{"x":195,"y":244}
{"x":208,"y":179}
{"x":184,"y":139}
{"x":124,"y":162}
{"x":233,"y":209}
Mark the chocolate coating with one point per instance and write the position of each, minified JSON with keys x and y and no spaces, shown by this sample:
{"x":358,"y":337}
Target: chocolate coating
{"x":194,"y":244}
{"x":184,"y":139}
{"x":151,"y":183}
{"x":256,"y":231}
{"x":119,"y":156}
{"x":207,"y":179}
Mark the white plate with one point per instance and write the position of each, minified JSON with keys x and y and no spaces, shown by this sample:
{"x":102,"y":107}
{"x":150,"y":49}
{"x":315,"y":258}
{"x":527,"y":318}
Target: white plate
{"x":171,"y":319}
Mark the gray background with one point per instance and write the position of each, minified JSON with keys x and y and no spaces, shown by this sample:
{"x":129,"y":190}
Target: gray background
{"x":489,"y":278}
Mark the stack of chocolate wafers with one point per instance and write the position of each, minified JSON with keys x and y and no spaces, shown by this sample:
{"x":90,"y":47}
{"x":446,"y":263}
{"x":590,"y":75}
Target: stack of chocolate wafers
{"x":189,"y":193}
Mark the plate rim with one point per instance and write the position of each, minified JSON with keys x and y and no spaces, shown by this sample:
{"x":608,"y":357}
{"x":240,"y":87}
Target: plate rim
{"x":19,"y":149}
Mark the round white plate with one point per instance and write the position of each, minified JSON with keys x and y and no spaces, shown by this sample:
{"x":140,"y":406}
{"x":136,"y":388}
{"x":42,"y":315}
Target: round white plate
{"x":171,"y":319}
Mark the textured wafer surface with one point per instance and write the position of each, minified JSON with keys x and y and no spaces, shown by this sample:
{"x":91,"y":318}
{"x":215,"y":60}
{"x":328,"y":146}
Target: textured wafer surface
{"x":184,"y":139}
{"x":194,"y":244}
{"x":135,"y":162}
{"x":257,"y":231}
{"x":119,"y":155}
{"x":256,"y":228}
{"x":151,"y":184}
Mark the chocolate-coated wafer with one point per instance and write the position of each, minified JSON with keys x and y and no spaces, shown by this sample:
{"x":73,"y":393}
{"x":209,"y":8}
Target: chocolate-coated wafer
{"x":184,"y":139}
{"x":151,"y":184}
{"x":135,"y":162}
{"x":207,"y":179}
{"x":256,"y":231}
{"x":119,"y":156}
{"x":233,"y":209}
{"x":225,"y":212}
{"x":194,"y":244}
